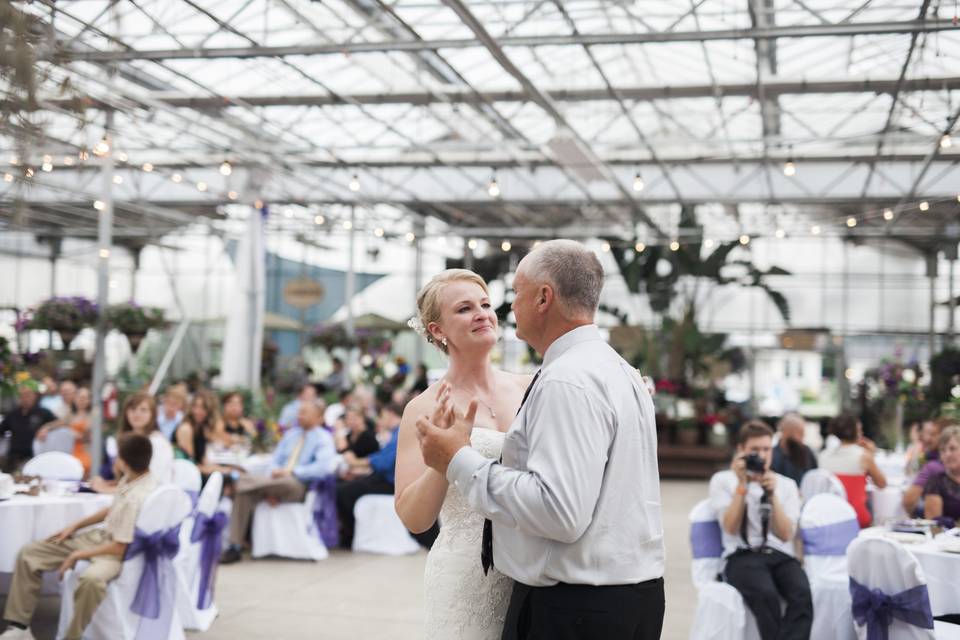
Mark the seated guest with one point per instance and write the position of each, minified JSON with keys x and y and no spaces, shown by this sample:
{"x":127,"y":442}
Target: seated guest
{"x":103,"y":547}
{"x":759,"y":549}
{"x":139,"y":415}
{"x":941,"y":495}
{"x":354,"y":435}
{"x":78,"y":420}
{"x":335,"y":411}
{"x":305,"y":453}
{"x":234,"y":422}
{"x":852,"y":462}
{"x":373,"y":474}
{"x":23,"y":423}
{"x":290,"y":411}
{"x":420,"y":381}
{"x":171,"y":413}
{"x":201,"y":426}
{"x":337,"y":379}
{"x":51,"y":400}
{"x":791,"y":457}
{"x":929,"y":463}
{"x":68,"y":395}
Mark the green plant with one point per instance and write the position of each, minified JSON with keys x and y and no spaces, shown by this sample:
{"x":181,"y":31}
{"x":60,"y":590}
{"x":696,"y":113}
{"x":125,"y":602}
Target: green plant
{"x":131,"y":318}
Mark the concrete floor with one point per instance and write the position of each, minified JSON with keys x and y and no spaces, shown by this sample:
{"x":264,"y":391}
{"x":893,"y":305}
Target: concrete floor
{"x":358,"y":596}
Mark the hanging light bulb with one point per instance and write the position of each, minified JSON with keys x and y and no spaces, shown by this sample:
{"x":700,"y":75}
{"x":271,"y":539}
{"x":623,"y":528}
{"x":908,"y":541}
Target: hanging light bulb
{"x":708,"y":243}
{"x":378,"y":232}
{"x":888,"y":214}
{"x":68,"y":161}
{"x":924,"y":206}
{"x":232,"y":195}
{"x":201,"y":186}
{"x":84,"y":155}
{"x":744,"y":239}
{"x":789,"y":168}
{"x":347,"y":225}
{"x":605,"y":247}
{"x":411,"y":236}
{"x":639,"y":247}
{"x":815,"y":229}
{"x":28,"y":172}
{"x":177,"y":178}
{"x":122,"y":157}
{"x":225,"y":168}
{"x":14,"y":160}
{"x":780,"y":233}
{"x":674,"y":246}
{"x":638,"y":182}
{"x":355,"y":183}
{"x":99,"y":205}
{"x":102,"y":148}
{"x":946,"y":141}
{"x":472,"y":243}
{"x":47,"y":164}
{"x":493,"y":188}
{"x":506,"y":246}
{"x":118,"y":179}
{"x":319,"y":219}
{"x":8,"y":177}
{"x":851,"y":222}
{"x":147,"y":167}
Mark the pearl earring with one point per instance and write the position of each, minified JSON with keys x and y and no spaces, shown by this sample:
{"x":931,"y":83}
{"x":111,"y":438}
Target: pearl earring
{"x":443,"y":340}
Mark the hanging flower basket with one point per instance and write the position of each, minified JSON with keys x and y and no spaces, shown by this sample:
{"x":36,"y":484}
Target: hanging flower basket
{"x":134,"y":321}
{"x":68,"y":316}
{"x":330,"y":336}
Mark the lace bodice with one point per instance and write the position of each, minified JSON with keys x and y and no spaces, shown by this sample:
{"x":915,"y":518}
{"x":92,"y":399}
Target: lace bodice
{"x":461,"y":602}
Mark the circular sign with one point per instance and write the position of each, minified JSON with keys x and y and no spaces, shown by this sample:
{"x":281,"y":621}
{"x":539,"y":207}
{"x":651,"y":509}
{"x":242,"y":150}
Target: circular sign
{"x":303,"y":292}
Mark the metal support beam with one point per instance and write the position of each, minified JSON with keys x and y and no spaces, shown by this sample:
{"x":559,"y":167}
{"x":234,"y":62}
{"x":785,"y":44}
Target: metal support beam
{"x":349,"y":48}
{"x":469,"y":97}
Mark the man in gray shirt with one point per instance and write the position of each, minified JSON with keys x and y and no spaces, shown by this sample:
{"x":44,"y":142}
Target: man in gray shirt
{"x":575,"y":503}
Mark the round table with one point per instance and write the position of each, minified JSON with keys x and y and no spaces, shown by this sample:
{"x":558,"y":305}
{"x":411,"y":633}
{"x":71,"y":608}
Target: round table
{"x":941,"y":570}
{"x":25,"y":519}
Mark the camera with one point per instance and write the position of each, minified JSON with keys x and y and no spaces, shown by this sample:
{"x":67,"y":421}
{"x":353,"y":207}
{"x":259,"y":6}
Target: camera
{"x":755,"y":463}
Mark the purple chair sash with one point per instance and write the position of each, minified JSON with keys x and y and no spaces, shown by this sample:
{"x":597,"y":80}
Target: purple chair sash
{"x":155,"y":608}
{"x":877,"y":610}
{"x":325,"y":511}
{"x":706,"y":540}
{"x":194,"y":497}
{"x":829,"y":539}
{"x":207,"y":530}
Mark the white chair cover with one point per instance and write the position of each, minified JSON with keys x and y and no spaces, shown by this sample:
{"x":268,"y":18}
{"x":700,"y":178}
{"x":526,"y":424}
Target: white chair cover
{"x":58,"y":439}
{"x":287,"y":530}
{"x":379,"y":529}
{"x":187,"y":476}
{"x":817,"y":481}
{"x":879,"y":563}
{"x":164,"y":509}
{"x":721,"y":612}
{"x":54,"y":465}
{"x":828,"y":524}
{"x":188,"y":563}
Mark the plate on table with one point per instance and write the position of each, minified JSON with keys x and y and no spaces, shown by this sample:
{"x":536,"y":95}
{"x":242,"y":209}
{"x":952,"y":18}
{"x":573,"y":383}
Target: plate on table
{"x":905,"y":538}
{"x":950,"y":545}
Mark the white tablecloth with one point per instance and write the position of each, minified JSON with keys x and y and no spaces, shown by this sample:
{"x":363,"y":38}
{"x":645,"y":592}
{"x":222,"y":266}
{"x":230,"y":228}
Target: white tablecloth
{"x":24,"y":519}
{"x":941,"y":569}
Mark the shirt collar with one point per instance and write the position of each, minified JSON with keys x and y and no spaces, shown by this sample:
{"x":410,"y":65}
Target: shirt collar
{"x":564,"y":343}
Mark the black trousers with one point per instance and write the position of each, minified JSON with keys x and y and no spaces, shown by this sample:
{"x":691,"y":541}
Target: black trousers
{"x":348,"y":492}
{"x":585,"y":612}
{"x":762,"y":578}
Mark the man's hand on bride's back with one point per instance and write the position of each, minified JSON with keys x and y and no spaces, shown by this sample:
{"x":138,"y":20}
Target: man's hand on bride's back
{"x":438,"y":444}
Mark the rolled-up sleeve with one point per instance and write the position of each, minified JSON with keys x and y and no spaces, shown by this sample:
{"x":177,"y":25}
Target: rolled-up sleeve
{"x":568,"y":436}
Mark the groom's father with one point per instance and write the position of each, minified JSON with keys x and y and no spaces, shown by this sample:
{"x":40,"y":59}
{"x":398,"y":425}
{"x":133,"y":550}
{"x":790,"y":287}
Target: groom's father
{"x":575,"y":503}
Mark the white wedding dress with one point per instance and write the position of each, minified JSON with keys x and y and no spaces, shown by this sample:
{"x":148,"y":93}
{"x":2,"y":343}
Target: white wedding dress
{"x":461,"y":602}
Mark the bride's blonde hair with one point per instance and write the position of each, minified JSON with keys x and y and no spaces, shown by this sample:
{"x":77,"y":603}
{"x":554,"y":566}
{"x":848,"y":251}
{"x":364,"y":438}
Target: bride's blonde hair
{"x":428,"y":299}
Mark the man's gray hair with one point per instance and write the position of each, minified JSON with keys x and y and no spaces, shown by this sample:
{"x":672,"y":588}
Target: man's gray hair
{"x":573,"y":271}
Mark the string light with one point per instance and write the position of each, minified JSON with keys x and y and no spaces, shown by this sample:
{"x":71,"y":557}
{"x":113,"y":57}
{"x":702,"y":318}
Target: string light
{"x":506,"y":246}
{"x":104,"y":253}
{"x":888,"y":214}
{"x":924,"y":206}
{"x":84,"y":155}
{"x":319,"y":219}
{"x":347,"y":225}
{"x":638,"y":182}
{"x":639,"y":247}
{"x":744,"y":239}
{"x":122,"y":157}
{"x":493,"y":188}
{"x":14,"y":160}
{"x":8,"y":177}
{"x":68,"y":161}
{"x":378,"y":232}
{"x":99,"y":205}
{"x":28,"y":172}
{"x":117,"y":179}
{"x":946,"y":141}
{"x":790,"y":167}
{"x":177,"y":178}
{"x":605,"y":247}
{"x":472,"y":243}
{"x":47,"y":164}
{"x":851,"y":222}
{"x":411,"y":236}
{"x":147,"y":167}
{"x":674,"y":246}
{"x":708,"y":243}
{"x":232,"y":195}
{"x":201,"y":186}
{"x":355,"y":183}
{"x":102,"y":148}
{"x":780,"y":233}
{"x":225,"y":168}
{"x":815,"y":229}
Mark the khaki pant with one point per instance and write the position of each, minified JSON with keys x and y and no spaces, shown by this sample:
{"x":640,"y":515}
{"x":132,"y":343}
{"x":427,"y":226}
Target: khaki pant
{"x":37,"y":557}
{"x":249,"y":491}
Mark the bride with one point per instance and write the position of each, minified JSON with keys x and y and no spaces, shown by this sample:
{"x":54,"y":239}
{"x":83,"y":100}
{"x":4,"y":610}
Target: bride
{"x":455,"y":315}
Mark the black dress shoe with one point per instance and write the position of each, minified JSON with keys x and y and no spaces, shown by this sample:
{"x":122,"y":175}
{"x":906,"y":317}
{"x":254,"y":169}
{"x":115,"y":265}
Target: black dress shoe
{"x":230,"y":556}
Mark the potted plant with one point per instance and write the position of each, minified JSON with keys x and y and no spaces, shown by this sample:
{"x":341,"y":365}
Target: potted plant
{"x":134,"y":321}
{"x":68,"y":316}
{"x":330,"y":336}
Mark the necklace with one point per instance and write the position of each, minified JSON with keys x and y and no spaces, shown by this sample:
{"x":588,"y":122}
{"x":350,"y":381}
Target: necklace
{"x":493,"y":414}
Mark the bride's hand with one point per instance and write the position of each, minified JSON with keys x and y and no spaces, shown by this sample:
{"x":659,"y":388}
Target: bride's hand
{"x":441,"y":410}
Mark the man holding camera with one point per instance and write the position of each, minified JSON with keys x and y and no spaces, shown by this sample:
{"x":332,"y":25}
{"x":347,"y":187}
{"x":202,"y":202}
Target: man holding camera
{"x":758,"y":511}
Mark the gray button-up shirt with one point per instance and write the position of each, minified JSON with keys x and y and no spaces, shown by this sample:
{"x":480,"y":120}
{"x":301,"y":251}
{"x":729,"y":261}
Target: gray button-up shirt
{"x":577,"y":498}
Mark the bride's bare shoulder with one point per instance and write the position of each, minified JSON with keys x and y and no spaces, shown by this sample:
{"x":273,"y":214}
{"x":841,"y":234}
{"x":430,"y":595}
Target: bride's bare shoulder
{"x":423,"y":402}
{"x":519,"y":380}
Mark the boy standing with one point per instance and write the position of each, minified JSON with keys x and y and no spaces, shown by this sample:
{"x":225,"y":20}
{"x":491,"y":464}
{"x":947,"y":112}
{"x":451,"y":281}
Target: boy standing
{"x":104,"y":547}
